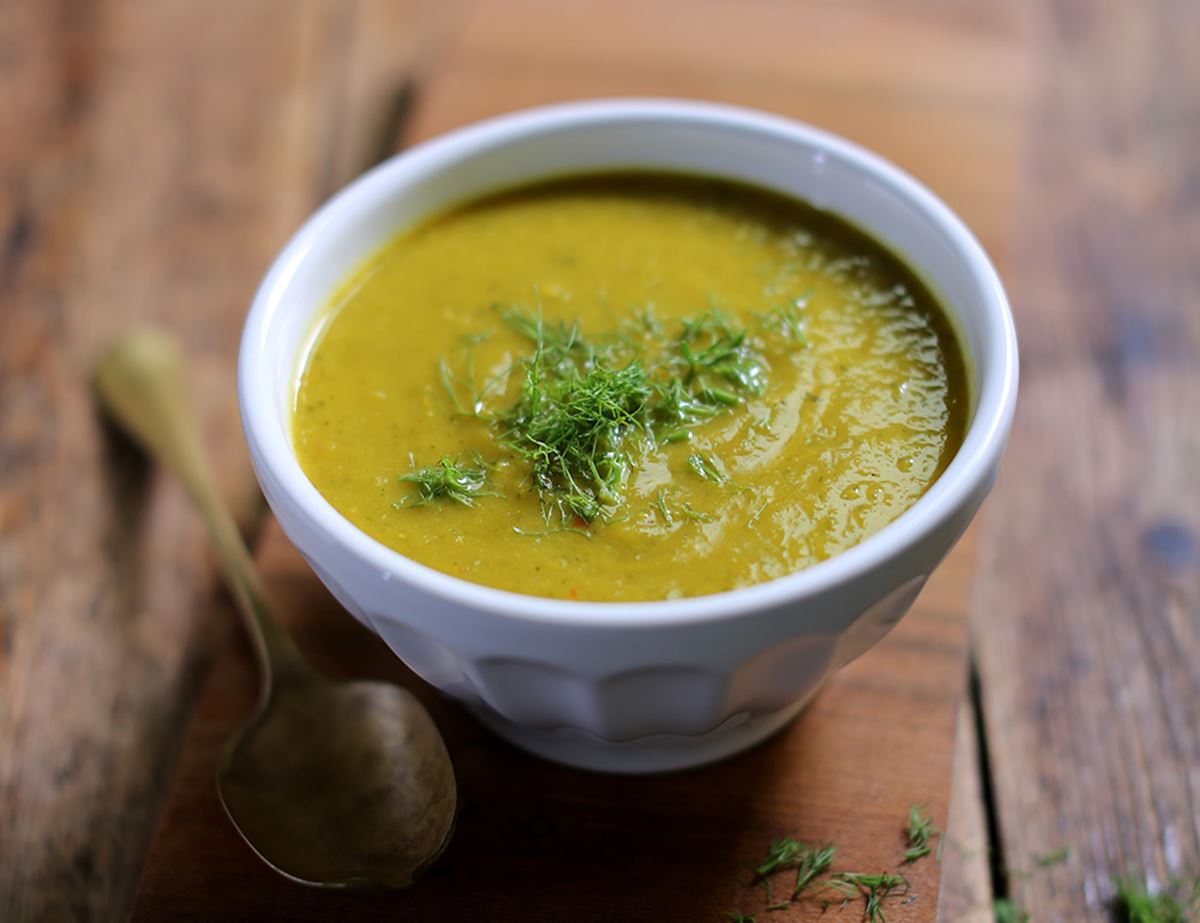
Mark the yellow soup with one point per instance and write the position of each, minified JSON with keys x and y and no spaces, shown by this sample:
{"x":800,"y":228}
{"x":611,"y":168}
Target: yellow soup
{"x":629,"y":387}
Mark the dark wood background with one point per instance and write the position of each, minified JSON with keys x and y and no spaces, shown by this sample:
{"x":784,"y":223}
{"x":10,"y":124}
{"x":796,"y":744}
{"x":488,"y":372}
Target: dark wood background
{"x":155,"y":153}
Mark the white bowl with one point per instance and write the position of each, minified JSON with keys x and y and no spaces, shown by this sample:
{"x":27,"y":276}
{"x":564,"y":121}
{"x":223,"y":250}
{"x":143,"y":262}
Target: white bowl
{"x":629,"y":687}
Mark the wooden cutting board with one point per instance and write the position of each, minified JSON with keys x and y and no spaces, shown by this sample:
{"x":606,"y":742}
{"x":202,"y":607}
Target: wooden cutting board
{"x":944,"y":94}
{"x":538,"y":842}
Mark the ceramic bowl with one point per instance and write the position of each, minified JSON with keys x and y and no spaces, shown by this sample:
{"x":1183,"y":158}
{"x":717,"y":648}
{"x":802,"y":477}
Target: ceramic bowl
{"x":629,"y":687}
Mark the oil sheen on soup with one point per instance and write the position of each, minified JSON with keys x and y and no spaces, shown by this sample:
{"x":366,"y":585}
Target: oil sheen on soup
{"x":628,"y":387}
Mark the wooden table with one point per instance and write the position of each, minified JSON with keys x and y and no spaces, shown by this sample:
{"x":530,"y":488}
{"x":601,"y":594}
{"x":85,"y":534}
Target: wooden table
{"x":157,"y":152}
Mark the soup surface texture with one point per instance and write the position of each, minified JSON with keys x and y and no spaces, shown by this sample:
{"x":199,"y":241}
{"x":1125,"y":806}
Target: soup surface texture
{"x":628,"y":387}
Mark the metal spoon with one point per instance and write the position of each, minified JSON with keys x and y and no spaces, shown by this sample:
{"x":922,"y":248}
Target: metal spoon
{"x":338,"y":785}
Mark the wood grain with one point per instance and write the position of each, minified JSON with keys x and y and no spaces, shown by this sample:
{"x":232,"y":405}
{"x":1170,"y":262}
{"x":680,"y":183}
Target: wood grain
{"x":1088,"y":606}
{"x":155,"y":155}
{"x":538,"y":842}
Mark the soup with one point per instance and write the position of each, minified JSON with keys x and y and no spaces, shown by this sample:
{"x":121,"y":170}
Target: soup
{"x":628,"y":387}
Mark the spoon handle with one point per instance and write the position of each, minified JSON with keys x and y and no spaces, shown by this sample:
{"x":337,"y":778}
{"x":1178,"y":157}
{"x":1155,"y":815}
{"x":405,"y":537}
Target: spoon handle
{"x":140,"y":382}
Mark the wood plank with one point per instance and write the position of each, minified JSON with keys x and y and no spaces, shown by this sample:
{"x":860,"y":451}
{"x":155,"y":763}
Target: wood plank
{"x":155,"y":155}
{"x":539,"y":842}
{"x":1088,"y":610}
{"x":966,"y":895}
{"x":869,"y":70}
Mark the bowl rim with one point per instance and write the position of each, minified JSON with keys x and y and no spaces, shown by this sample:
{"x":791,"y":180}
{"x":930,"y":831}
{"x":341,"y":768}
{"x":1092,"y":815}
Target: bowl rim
{"x":970,"y":469}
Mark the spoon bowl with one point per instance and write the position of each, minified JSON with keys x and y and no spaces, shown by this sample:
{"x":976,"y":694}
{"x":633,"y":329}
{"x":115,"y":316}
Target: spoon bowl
{"x":367,"y":801}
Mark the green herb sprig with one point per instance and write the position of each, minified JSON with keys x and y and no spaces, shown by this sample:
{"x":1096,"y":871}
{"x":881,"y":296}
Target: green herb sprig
{"x":692,"y":515}
{"x":451,"y":479}
{"x":586,"y":412}
{"x":572,"y":430}
{"x":703,"y":466}
{"x":1136,"y":903}
{"x":787,"y":320}
{"x":713,"y":349}
{"x":873,"y":889}
{"x":787,"y":853}
{"x":917,"y":836}
{"x":660,"y":504}
{"x":453,"y":385}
